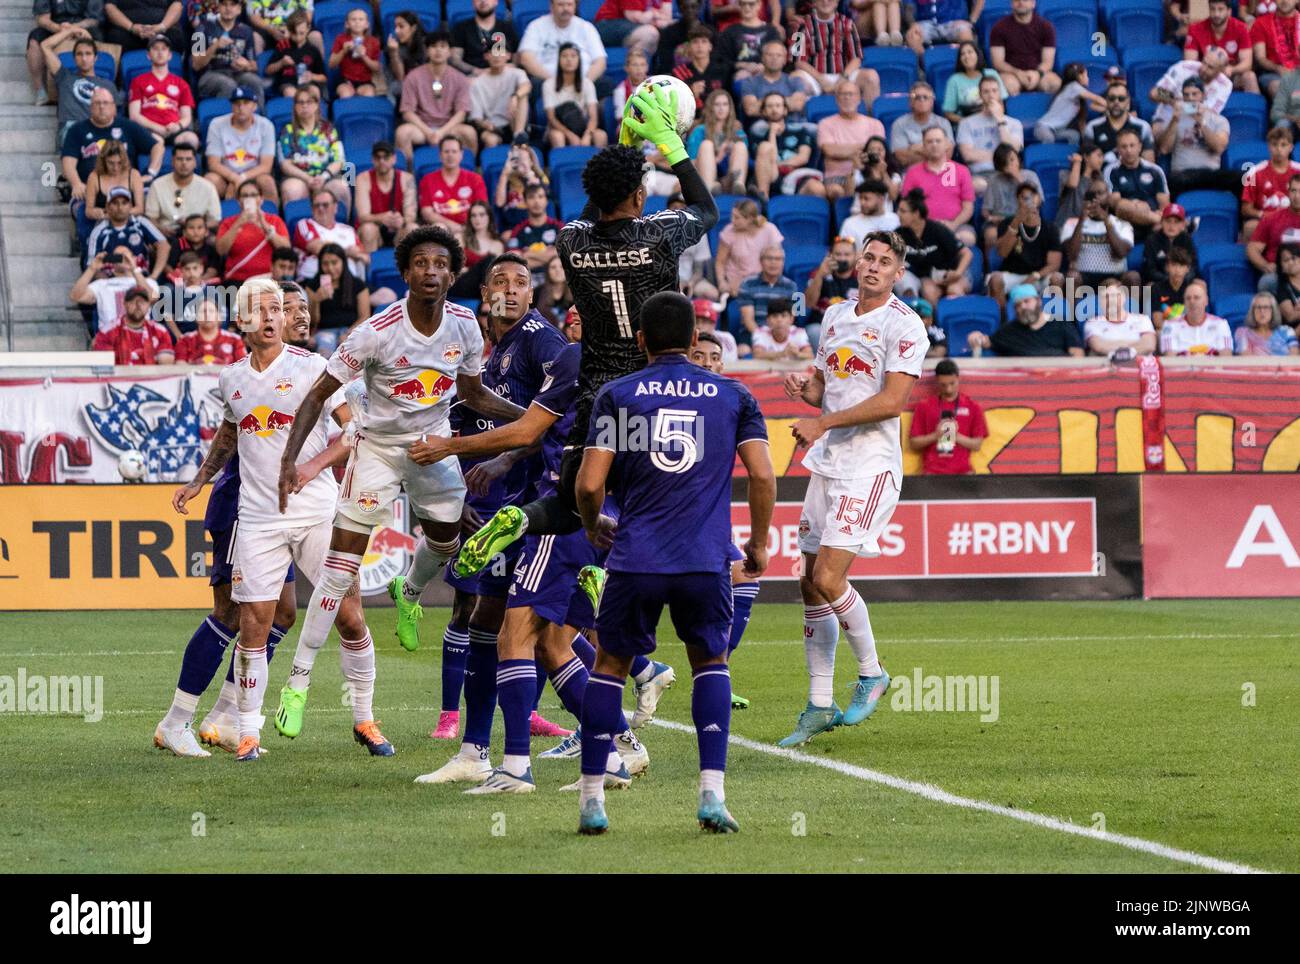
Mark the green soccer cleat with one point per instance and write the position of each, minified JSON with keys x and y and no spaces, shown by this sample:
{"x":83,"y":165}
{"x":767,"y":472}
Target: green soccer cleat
{"x":499,"y":532}
{"x":288,"y":718}
{"x":738,"y":702}
{"x":591,"y":580}
{"x":813,"y":720}
{"x":713,"y":815}
{"x":409,"y":615}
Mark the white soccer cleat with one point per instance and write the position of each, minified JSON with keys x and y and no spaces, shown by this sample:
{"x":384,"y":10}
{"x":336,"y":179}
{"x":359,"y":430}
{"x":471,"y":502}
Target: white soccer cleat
{"x":502,"y":782}
{"x":619,"y":780}
{"x":632,"y":752}
{"x":460,"y":769}
{"x":178,"y":740}
{"x":221,"y":732}
{"x":649,"y":692}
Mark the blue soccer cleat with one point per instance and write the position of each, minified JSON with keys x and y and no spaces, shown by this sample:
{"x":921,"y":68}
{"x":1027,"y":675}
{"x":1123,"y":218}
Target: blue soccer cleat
{"x":567,"y":749}
{"x":813,"y":720}
{"x":500,"y":781}
{"x":591,"y":818}
{"x":866,"y":694}
{"x":713,"y":815}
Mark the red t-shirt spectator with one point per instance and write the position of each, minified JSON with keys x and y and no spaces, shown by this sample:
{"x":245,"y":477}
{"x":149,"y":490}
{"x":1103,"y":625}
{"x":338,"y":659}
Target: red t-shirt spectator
{"x":250,"y":255}
{"x":1235,"y":39}
{"x":970,"y":422}
{"x":724,"y":20}
{"x":1265,"y":188}
{"x":1024,"y":43}
{"x":1279,"y":36}
{"x":134,"y":346}
{"x":194,"y":349}
{"x":452,"y":201}
{"x":352,"y":69}
{"x":161,"y":100}
{"x":1280,"y":227}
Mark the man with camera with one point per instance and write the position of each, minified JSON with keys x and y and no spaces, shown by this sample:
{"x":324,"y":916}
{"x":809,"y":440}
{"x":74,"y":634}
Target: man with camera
{"x":948,"y":426}
{"x":1197,"y":137}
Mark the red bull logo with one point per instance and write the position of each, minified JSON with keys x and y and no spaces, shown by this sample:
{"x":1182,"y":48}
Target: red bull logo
{"x":283,"y":387}
{"x":427,"y":388}
{"x":452,"y":353}
{"x":842,"y":363}
{"x":367,"y":501}
{"x":264,"y":421}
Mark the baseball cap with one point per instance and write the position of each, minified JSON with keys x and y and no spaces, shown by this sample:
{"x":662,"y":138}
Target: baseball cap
{"x":160,"y":38}
{"x":921,"y":307}
{"x":139,"y":291}
{"x":571,"y":316}
{"x":381,"y":149}
{"x":1115,"y":72}
{"x":704,"y":309}
{"x":1173,"y":211}
{"x":1020,"y":292}
{"x":242,"y":93}
{"x":119,"y":191}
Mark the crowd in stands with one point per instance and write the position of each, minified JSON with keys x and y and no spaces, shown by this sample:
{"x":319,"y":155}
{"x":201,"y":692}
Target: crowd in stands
{"x":1058,"y":193}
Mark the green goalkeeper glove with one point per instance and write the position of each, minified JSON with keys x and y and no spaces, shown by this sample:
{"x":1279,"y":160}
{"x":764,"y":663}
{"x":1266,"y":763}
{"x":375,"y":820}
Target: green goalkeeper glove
{"x":658,"y":123}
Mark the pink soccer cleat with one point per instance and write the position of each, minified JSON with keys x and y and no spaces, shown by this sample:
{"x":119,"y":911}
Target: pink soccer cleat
{"x":538,"y":726}
{"x":448,"y":727}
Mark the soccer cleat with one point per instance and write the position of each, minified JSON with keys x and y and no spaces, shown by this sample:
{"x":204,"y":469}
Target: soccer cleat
{"x":498,"y":533}
{"x":409,"y":615}
{"x":591,"y":818}
{"x":178,"y":740}
{"x":591,"y":580}
{"x":632,"y":752}
{"x":448,"y":727}
{"x":738,"y":702}
{"x":540,"y":726}
{"x":460,"y":769}
{"x":649,"y":693}
{"x":618,"y":779}
{"x":499,"y":781}
{"x":713,"y":815}
{"x":248,"y":749}
{"x":367,"y":734}
{"x":567,"y":749}
{"x":813,"y":720}
{"x":288,"y":718}
{"x":221,"y":732}
{"x":866,"y":694}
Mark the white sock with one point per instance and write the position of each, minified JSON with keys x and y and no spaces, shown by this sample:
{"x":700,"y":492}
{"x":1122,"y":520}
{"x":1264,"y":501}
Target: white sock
{"x":821,"y":633}
{"x":251,"y":675}
{"x":304,"y":658}
{"x":711,"y":780}
{"x":516,"y":766}
{"x":430,"y":557}
{"x":472,"y":751}
{"x":226,"y":704}
{"x":852,"y":613}
{"x":646,"y":674}
{"x":182,"y":711}
{"x":613,"y":762}
{"x":337,"y":573}
{"x":357,"y":661}
{"x":593,"y":788}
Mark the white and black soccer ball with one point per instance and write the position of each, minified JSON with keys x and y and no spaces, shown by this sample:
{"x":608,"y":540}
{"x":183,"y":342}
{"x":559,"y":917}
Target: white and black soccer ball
{"x":131,"y":466}
{"x":685,"y":99}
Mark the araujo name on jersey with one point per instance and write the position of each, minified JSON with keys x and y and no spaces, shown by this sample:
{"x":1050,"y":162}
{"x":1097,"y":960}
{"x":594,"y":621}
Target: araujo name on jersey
{"x":678,"y":389}
{"x":611,"y":259}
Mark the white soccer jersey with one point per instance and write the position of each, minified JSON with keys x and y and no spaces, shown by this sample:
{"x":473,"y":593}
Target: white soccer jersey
{"x":410,"y":379}
{"x":855,"y":353}
{"x":1212,"y":336}
{"x":262,"y":406}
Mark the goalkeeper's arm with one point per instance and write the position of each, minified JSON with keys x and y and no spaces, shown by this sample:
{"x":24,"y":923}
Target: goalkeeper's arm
{"x":696,"y":195}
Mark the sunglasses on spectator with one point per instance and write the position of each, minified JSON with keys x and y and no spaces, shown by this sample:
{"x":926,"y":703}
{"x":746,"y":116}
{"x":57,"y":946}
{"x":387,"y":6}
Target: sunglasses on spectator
{"x":1116,"y":98}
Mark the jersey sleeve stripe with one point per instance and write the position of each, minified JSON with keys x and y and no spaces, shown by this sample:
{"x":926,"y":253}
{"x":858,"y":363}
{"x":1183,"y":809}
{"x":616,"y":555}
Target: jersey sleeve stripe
{"x":389,"y":315}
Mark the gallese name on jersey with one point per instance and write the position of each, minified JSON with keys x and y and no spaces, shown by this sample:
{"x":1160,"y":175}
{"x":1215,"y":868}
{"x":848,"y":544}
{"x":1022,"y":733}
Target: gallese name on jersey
{"x":611,"y":259}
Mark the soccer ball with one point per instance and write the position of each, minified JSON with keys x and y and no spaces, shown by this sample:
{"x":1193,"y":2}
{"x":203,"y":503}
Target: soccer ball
{"x":130,"y":465}
{"x":685,"y":99}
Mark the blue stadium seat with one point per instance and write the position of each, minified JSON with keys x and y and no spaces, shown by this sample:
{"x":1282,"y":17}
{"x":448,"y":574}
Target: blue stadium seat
{"x":939,"y":61}
{"x":494,"y":160}
{"x":1138,"y":22}
{"x":801,"y":260}
{"x":563,"y":158}
{"x":429,"y":11}
{"x":616,"y":64}
{"x":725,"y":203}
{"x":142,"y":162}
{"x":896,"y":67}
{"x":383,"y":272}
{"x":587,"y":9}
{"x":994,"y":10}
{"x":1135,"y":255}
{"x":295,"y":211}
{"x":1097,"y":63}
{"x":364,"y":120}
{"x":958,"y":317}
{"x":526,"y":11}
{"x":654,"y":204}
{"x":210,"y":108}
{"x":1233,"y":308}
{"x":823,"y":105}
{"x":1075,"y":27}
{"x":329,"y":18}
{"x":1225,"y":269}
{"x":975,"y":270}
{"x":1244,"y":154}
{"x":1217,"y":211}
{"x":843,"y":209}
{"x":887,"y":108}
{"x":429,"y":158}
{"x":104,"y":65}
{"x":1028,"y":108}
{"x":134,"y":63}
{"x":1145,"y":67}
{"x":801,"y":219}
{"x":279,"y":111}
{"x":364,"y":162}
{"x":1247,"y":114}
{"x":463,"y":9}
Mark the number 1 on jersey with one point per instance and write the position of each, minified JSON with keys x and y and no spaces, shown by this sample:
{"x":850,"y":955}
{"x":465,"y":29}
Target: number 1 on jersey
{"x":614,"y":288}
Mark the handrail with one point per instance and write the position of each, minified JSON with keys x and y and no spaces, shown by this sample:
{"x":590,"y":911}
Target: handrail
{"x":6,"y":296}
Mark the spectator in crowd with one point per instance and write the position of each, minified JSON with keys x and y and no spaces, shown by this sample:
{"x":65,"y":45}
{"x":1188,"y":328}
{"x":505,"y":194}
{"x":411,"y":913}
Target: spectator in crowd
{"x":539,"y":50}
{"x":534,"y":237}
{"x":498,"y":100}
{"x":979,"y":134}
{"x":674,"y":39}
{"x":937,"y":22}
{"x":571,"y":327}
{"x":1031,"y":333}
{"x":1168,"y":93}
{"x":699,"y":71}
{"x":241,"y":147}
{"x":1288,"y":282}
{"x":961,"y":93}
{"x":522,"y":169}
{"x":938,"y":338}
{"x":284,"y":265}
{"x":740,"y":244}
{"x":1285,"y":109}
{"x":1097,"y":242}
{"x":137,"y":340}
{"x":310,"y":152}
{"x":947,"y":185}
{"x":719,"y":146}
{"x":355,"y":56}
{"x":160,"y":101}
{"x":554,"y":298}
{"x":754,"y":90}
{"x":225,"y":62}
{"x":878,"y":165}
{"x":1022,"y":47}
{"x":1224,"y":31}
{"x":311,"y":234}
{"x":1275,"y":229}
{"x":113,"y":170}
{"x":122,"y":229}
{"x":386,"y":200}
{"x":270,"y":22}
{"x":447,"y":193}
{"x":195,"y":236}
{"x":694,"y":263}
{"x":297,"y":60}
{"x":1196,"y":331}
{"x":1275,"y":48}
{"x":175,"y":196}
{"x":1262,"y":333}
{"x":108,"y":294}
{"x":908,"y":130}
{"x":406,"y":48}
{"x":85,"y":139}
{"x":706,"y":324}
{"x":882,"y":19}
{"x":1104,"y":131}
{"x":948,"y":425}
{"x":1115,"y":328}
{"x":1173,"y":233}
{"x":74,"y":84}
{"x":778,"y":339}
{"x":1085,"y":167}
{"x":1029,"y":247}
{"x":131,"y":23}
{"x":1264,"y":186}
{"x":633,"y":23}
{"x":1138,"y":192}
{"x":870,"y":215}
{"x":247,"y":239}
{"x":782,"y":156}
{"x":725,"y":14}
{"x":1168,"y":293}
{"x":336,"y":298}
{"x":473,"y":37}
{"x":741,"y":45}
{"x":842,"y":139}
{"x":757,"y":292}
{"x":834,"y":280}
{"x":482,"y":242}
{"x":572,"y":110}
{"x":435,"y":103}
{"x":1197,"y":138}
{"x":178,"y":304}
{"x":936,"y":260}
{"x":54,"y":17}
{"x":637,"y":69}
{"x":1000,"y":197}
{"x":208,"y":344}
{"x":825,"y":47}
{"x":1064,"y":118}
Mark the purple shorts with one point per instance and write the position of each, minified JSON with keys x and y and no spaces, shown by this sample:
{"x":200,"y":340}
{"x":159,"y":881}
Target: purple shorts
{"x":699,"y":604}
{"x":546,"y":577}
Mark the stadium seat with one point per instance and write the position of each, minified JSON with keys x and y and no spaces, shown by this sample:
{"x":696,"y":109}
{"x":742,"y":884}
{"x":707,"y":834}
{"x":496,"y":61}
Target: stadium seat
{"x":725,"y":203}
{"x":428,"y":157}
{"x":1225,"y":269}
{"x":230,"y":207}
{"x":364,"y":162}
{"x":1075,"y":26}
{"x":1028,"y":108}
{"x":1244,"y":154}
{"x":279,"y":111}
{"x":563,"y":158}
{"x":616,"y":64}
{"x":1097,"y":63}
{"x":823,"y":105}
{"x":994,"y":10}
{"x":975,"y":270}
{"x":134,"y":63}
{"x":800,"y":219}
{"x":1145,"y":66}
{"x":429,"y":11}
{"x":526,"y":11}
{"x":1233,"y":308}
{"x":209,"y":109}
{"x":1138,"y":22}
{"x":330,"y":17}
{"x":939,"y":61}
{"x":843,"y":209}
{"x":654,"y":204}
{"x":1048,"y":161}
{"x":383,"y":272}
{"x":887,"y":108}
{"x":105,"y":68}
{"x":462,"y":9}
{"x":801,"y":260}
{"x":1247,"y":115}
{"x":587,"y":9}
{"x":142,"y":162}
{"x":364,"y":119}
{"x":1135,"y":255}
{"x":734,"y":324}
{"x":1217,"y":211}
{"x":493,"y":161}
{"x":896,"y":67}
{"x":958,"y":317}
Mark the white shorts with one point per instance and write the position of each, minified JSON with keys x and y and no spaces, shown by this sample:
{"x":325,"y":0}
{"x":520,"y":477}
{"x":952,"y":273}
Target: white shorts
{"x":377,"y":470}
{"x":262,"y":557}
{"x":933,"y":32}
{"x":847,"y":513}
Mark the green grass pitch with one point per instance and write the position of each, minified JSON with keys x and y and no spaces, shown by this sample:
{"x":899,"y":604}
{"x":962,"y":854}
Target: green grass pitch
{"x":1172,"y":722}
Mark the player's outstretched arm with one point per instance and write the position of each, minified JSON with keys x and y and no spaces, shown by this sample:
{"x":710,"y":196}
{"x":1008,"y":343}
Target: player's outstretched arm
{"x":757,"y":459}
{"x":219,"y":452}
{"x":526,"y":432}
{"x":485,"y":401}
{"x":889,"y":402}
{"x":337,"y":454}
{"x":304,"y":421}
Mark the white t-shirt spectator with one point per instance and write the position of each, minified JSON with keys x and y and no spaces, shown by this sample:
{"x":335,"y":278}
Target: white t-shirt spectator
{"x":344,"y":235}
{"x":1095,"y":255}
{"x":489,"y":96}
{"x":696,"y":254}
{"x":552,"y":98}
{"x":109,"y":294}
{"x":1190,"y":152}
{"x":543,"y":38}
{"x":1132,"y":328}
{"x":240,"y":150}
{"x":762,"y":340}
{"x":858,"y":226}
{"x":1213,"y":336}
{"x":730,"y":352}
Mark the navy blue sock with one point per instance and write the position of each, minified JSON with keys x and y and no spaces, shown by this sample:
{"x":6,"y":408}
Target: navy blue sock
{"x":516,"y":681}
{"x":601,"y":714}
{"x":711,"y":713}
{"x":272,"y":640}
{"x":742,"y":602}
{"x":570,"y":682}
{"x":480,"y":686}
{"x":639,"y":664}
{"x":539,"y":677}
{"x":455,"y":651}
{"x":586,"y":652}
{"x":203,"y":655}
